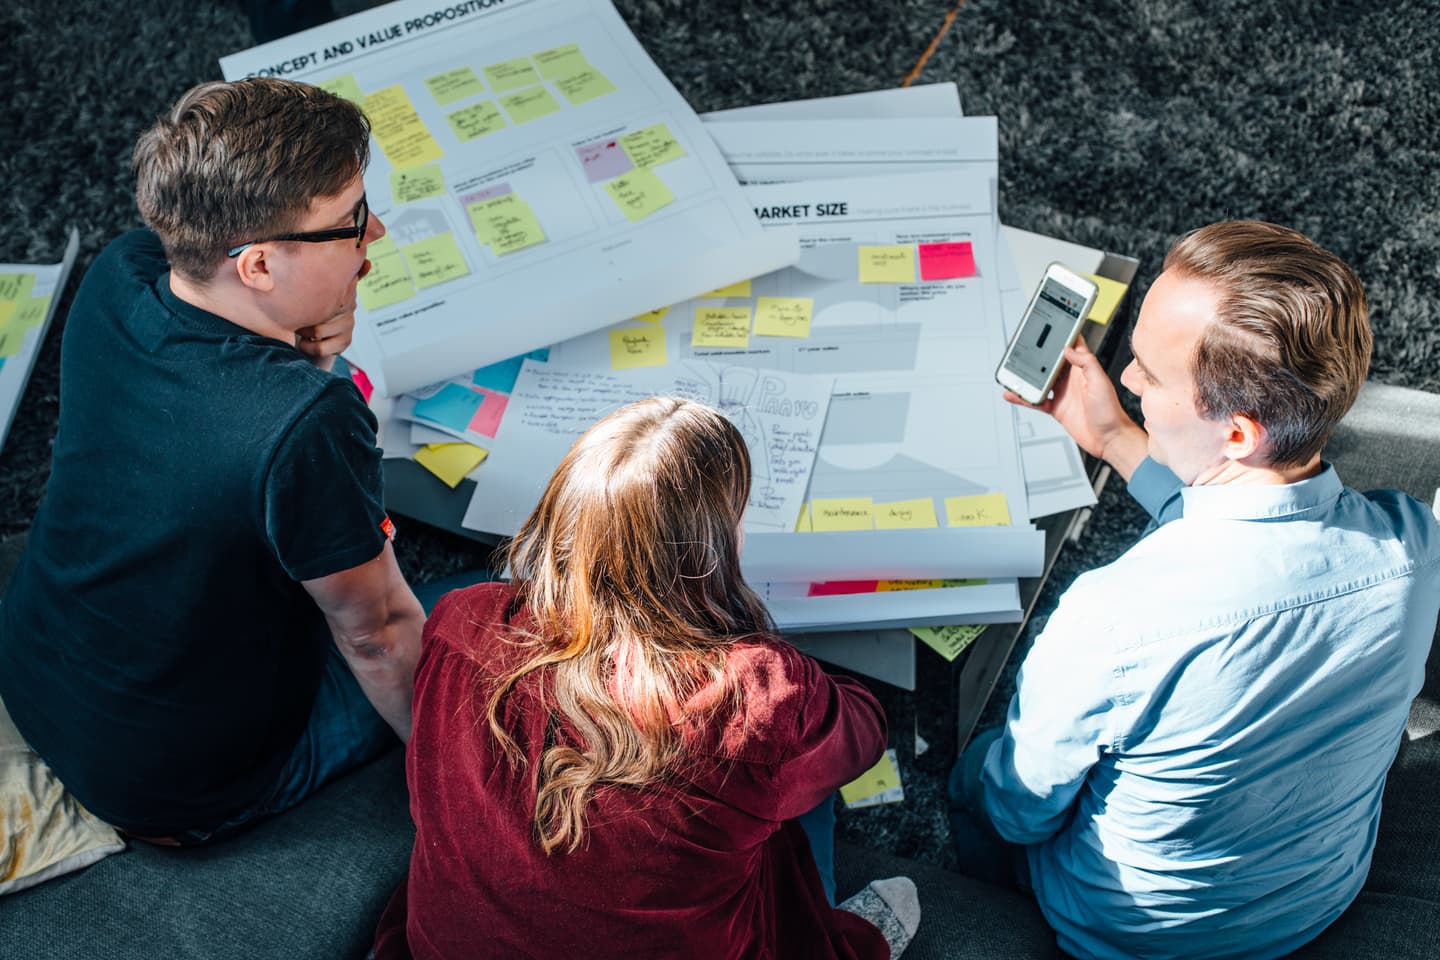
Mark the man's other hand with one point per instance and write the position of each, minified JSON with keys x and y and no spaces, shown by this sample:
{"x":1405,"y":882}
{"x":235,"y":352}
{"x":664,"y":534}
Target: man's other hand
{"x":323,"y":342}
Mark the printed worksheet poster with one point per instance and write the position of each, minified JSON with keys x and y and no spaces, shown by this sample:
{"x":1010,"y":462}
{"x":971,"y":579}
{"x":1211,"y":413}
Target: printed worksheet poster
{"x":538,"y":175}
{"x":29,"y":294}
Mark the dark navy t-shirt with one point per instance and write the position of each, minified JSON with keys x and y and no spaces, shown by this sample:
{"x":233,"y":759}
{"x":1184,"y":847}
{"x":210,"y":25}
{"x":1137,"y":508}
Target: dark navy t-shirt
{"x":156,"y":646}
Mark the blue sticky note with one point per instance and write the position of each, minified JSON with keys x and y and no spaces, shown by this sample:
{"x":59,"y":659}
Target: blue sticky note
{"x":501,"y":376}
{"x":452,"y":407}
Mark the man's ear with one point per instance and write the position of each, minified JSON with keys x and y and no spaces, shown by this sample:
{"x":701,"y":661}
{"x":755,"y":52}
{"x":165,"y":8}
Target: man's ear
{"x":253,"y":268}
{"x":1246,"y":438}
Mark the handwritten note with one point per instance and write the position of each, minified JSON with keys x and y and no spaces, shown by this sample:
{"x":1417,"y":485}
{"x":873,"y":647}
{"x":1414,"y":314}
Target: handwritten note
{"x":651,"y":146}
{"x":417,"y":183}
{"x":980,"y":510}
{"x":949,"y":641}
{"x":529,"y":105}
{"x":881,"y":778}
{"x":947,"y":261}
{"x":450,"y":461}
{"x":721,"y":327}
{"x":435,"y":260}
{"x":451,"y":406}
{"x":506,"y":224}
{"x":476,"y":120}
{"x":853,"y":513}
{"x":344,"y":86}
{"x":584,"y":86}
{"x":388,"y":281}
{"x":1107,"y":299}
{"x":603,"y":160}
{"x":639,"y":194}
{"x":16,"y":286}
{"x":741,"y":289}
{"x":639,"y":347}
{"x":889,"y":264}
{"x":454,"y":85}
{"x":511,"y":74}
{"x":652,"y":316}
{"x":398,"y":128}
{"x":783,"y":316}
{"x":915,"y":514}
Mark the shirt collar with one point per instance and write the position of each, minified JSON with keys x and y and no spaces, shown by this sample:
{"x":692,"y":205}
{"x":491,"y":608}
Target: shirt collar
{"x":1263,"y":501}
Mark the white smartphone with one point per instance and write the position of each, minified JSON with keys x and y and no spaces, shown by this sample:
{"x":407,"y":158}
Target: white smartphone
{"x":1037,"y":353}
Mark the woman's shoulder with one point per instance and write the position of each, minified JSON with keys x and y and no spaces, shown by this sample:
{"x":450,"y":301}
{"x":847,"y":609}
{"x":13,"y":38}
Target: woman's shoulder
{"x":471,"y":619}
{"x":775,"y":683}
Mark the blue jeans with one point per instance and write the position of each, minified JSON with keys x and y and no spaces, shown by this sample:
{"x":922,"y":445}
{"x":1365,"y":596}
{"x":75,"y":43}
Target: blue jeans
{"x":982,"y":852}
{"x":819,"y":827}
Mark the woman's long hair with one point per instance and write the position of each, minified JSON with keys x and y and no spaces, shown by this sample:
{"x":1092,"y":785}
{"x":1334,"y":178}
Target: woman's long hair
{"x":630,"y":567}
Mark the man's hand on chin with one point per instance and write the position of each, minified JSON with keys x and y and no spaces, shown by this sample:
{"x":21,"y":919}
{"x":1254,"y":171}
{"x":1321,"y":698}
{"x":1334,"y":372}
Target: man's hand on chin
{"x":323,"y":342}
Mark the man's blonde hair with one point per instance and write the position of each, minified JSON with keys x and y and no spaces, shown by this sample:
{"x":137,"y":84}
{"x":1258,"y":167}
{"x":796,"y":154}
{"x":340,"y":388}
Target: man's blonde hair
{"x":1290,"y":344}
{"x":233,"y":162}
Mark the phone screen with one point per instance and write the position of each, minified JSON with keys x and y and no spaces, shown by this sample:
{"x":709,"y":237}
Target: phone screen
{"x":1044,"y":335}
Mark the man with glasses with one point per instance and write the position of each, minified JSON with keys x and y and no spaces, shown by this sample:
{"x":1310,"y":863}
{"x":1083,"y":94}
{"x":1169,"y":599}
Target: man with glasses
{"x":214,"y":517}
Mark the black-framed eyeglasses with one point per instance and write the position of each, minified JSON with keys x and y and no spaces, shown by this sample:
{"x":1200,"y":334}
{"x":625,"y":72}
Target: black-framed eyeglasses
{"x":356,"y":233}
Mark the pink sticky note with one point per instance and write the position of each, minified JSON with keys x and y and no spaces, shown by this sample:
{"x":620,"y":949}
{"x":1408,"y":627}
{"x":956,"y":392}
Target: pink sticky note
{"x":362,"y":381}
{"x":947,"y":261}
{"x":604,"y":160}
{"x":841,"y":588}
{"x":489,"y":193}
{"x":486,"y":420}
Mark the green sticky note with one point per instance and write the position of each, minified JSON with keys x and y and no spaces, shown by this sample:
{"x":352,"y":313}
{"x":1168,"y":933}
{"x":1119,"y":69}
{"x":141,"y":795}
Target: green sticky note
{"x":981,"y":510}
{"x":16,"y":286}
{"x":476,"y":121}
{"x":560,"y":61}
{"x":511,"y":74}
{"x":846,"y":513}
{"x":639,"y":193}
{"x":879,"y":778}
{"x":949,"y":641}
{"x":435,"y":260}
{"x":651,"y":146}
{"x":344,"y":86}
{"x":7,"y":311}
{"x":529,"y":105}
{"x":417,"y":183}
{"x":584,"y":86}
{"x":11,"y":339}
{"x":505,"y":224}
{"x":454,"y":84}
{"x":783,"y":316}
{"x":388,"y":282}
{"x":639,"y":347}
{"x":30,"y":313}
{"x":721,"y":327}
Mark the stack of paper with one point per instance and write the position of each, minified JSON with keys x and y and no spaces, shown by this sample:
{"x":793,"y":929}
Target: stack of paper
{"x":29,"y":294}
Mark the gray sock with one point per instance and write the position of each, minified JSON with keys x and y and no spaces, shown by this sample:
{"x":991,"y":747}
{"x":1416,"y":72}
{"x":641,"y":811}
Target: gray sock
{"x":893,"y":906}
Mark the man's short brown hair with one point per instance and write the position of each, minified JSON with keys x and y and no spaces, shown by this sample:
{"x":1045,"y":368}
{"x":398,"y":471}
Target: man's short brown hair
{"x":232,"y":162}
{"x":1290,"y":344}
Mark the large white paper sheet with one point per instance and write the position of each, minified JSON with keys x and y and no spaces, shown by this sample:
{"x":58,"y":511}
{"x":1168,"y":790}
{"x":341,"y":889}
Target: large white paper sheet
{"x":780,"y":416}
{"x":29,"y":296}
{"x":921,"y":100}
{"x":618,"y":200}
{"x":795,"y":611}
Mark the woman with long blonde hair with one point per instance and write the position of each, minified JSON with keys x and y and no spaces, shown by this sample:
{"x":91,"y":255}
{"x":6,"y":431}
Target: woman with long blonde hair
{"x":609,"y":754}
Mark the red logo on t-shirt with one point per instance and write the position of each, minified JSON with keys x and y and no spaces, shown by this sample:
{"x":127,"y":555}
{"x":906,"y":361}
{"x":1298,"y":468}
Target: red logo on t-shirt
{"x":387,"y":528}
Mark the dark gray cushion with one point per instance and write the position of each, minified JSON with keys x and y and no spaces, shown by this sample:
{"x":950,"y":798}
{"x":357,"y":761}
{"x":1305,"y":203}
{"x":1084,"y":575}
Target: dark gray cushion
{"x":308,"y":884}
{"x":1389,"y":440}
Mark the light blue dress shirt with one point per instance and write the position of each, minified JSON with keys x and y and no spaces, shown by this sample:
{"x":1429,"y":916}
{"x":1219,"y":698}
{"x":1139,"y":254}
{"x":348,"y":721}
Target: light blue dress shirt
{"x":1197,"y":746}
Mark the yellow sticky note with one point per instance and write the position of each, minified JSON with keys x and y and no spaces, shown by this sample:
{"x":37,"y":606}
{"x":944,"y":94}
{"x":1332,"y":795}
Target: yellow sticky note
{"x":344,"y":86}
{"x":741,"y":289}
{"x":560,"y":61}
{"x":1107,"y":299}
{"x":638,"y":194}
{"x":804,"y":524}
{"x":721,"y":327}
{"x":890,"y":264}
{"x":451,"y":461}
{"x":11,"y":339}
{"x":639,"y":347}
{"x":388,"y":281}
{"x":981,"y":510}
{"x":852,"y":513}
{"x":7,"y":310}
{"x":529,"y":105}
{"x":891,"y":586}
{"x":435,"y":260}
{"x":506,"y":223}
{"x":30,"y":313}
{"x":879,"y":778}
{"x":417,"y":183}
{"x":653,"y":316}
{"x":454,"y":84}
{"x":584,"y":86}
{"x":476,"y":120}
{"x":651,"y":146}
{"x":511,"y":74}
{"x":783,"y":316}
{"x":949,"y":641}
{"x":906,"y":515}
{"x":16,"y":286}
{"x":399,"y":130}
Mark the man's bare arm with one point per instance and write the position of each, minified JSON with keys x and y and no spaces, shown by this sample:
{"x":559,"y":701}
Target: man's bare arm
{"x":376,"y":622}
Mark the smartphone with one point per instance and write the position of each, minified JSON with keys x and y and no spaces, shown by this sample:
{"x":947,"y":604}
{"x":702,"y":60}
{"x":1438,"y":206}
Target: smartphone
{"x":1037,"y":352}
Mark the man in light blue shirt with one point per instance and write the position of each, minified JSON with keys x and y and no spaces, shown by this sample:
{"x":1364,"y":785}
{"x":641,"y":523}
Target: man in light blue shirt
{"x":1194,"y":757}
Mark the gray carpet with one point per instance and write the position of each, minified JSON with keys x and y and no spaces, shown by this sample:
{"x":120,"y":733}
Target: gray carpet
{"x":1122,"y":125}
